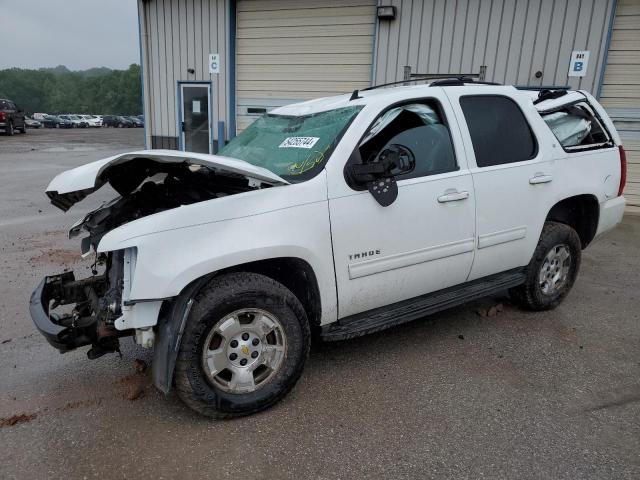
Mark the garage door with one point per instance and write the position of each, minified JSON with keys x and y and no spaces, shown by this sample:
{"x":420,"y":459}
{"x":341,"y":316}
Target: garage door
{"x":621,"y":90}
{"x":290,"y":50}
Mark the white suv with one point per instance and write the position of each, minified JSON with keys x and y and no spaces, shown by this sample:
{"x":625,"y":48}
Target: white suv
{"x":338,"y":216}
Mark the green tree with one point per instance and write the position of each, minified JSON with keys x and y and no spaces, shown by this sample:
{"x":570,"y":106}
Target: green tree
{"x":59,"y":90}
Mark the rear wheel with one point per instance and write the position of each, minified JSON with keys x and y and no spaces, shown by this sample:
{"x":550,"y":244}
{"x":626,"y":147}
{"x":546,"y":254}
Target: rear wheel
{"x":9,"y":129}
{"x":552,"y":270}
{"x":244,"y":346}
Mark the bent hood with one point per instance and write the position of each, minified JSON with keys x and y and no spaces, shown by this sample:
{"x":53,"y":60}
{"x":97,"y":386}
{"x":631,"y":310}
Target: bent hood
{"x":73,"y":185}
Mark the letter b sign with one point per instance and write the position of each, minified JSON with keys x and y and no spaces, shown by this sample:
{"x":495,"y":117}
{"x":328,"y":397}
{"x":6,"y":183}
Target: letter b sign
{"x":579,"y":63}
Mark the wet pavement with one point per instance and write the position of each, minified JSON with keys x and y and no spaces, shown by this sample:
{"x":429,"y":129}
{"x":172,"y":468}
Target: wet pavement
{"x":469,"y":393}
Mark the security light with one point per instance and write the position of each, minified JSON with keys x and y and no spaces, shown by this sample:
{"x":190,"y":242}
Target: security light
{"x":386,"y":12}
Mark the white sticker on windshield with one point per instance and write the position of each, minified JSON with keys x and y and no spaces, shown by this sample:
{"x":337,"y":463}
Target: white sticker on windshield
{"x":299,"y":142}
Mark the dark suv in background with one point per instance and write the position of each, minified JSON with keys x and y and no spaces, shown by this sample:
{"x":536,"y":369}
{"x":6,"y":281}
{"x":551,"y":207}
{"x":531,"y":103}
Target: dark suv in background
{"x":116,"y":121}
{"x":11,"y":117}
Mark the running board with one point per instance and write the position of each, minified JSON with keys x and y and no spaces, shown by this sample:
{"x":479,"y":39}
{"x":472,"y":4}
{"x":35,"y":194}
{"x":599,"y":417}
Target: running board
{"x":418,"y":307}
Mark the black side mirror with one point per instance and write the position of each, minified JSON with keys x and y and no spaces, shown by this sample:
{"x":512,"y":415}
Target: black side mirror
{"x":379,"y":175}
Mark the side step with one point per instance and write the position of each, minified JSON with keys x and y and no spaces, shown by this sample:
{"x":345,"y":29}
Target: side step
{"x":418,"y":307}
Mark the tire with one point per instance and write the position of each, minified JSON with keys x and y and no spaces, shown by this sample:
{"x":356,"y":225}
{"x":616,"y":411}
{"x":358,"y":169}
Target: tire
{"x":239,"y":302}
{"x":24,"y":128}
{"x":9,"y":129}
{"x":550,"y":274}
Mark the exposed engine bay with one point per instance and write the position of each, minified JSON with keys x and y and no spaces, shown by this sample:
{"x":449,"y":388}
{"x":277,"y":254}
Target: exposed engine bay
{"x":150,"y":188}
{"x":74,"y":312}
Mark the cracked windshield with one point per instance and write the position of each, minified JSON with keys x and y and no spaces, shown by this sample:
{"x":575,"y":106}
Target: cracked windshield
{"x":294,"y":148}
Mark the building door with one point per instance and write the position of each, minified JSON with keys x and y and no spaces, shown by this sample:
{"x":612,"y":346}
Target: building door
{"x":195,"y":122}
{"x":290,"y":51}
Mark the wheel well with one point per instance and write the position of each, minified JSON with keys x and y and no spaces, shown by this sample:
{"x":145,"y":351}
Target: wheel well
{"x":581,"y":213}
{"x":295,"y":274}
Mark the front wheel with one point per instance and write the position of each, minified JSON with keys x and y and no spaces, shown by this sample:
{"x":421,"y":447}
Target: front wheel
{"x":244,"y":346}
{"x":552,"y":270}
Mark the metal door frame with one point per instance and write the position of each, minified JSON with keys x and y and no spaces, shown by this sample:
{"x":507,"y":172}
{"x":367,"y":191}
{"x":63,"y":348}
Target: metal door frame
{"x":180,"y":117}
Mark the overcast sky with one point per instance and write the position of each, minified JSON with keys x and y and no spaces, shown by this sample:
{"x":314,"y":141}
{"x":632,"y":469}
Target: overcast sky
{"x":77,"y":33}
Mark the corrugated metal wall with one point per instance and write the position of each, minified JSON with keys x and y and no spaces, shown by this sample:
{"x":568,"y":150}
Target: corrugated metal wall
{"x":513,"y":38}
{"x":621,"y":91}
{"x":178,"y":35}
{"x":290,"y":50}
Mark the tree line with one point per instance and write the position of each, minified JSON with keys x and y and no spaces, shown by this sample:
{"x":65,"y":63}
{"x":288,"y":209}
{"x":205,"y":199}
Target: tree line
{"x":59,"y":90}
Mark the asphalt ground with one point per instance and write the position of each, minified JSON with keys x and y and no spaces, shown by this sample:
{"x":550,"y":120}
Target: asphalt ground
{"x":461,"y":394}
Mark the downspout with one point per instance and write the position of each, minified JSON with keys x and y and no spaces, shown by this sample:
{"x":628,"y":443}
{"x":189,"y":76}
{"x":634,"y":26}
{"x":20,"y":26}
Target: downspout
{"x":374,"y":50}
{"x":614,"y":7}
{"x":231,"y":70}
{"x":142,"y":41}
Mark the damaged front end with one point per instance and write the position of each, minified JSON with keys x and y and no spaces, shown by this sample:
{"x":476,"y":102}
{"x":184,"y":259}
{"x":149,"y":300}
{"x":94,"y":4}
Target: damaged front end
{"x":98,"y":310}
{"x":87,"y":308}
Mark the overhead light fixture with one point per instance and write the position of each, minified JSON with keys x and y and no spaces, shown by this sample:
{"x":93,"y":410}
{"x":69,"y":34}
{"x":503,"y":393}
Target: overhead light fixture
{"x":386,"y":12}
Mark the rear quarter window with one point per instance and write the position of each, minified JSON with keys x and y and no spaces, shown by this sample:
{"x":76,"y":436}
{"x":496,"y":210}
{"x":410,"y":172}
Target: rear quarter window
{"x":499,"y":130}
{"x":578,"y":127}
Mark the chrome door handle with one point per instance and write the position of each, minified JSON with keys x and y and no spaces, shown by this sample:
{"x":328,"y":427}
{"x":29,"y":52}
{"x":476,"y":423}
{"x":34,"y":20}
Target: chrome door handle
{"x":453,"y":196}
{"x":540,"y":178}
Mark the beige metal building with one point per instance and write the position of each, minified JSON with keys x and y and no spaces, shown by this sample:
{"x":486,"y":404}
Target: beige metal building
{"x":210,"y":67}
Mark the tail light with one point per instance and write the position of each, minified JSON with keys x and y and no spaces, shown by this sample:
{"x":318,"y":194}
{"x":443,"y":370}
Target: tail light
{"x":1,"y":116}
{"x":623,"y":170}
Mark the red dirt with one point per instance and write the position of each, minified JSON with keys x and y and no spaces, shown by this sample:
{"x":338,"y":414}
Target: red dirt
{"x":15,"y":419}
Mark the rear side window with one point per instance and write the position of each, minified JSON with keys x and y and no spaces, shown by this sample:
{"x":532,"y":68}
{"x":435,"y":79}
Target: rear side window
{"x":577,"y":127}
{"x":499,"y":130}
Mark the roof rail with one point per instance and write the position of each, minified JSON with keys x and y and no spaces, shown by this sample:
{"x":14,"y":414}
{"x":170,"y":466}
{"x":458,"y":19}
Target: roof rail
{"x":458,"y":81}
{"x":436,"y":80}
{"x":542,"y":87}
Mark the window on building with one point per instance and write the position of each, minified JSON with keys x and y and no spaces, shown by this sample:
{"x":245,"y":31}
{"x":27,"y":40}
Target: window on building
{"x":499,"y":130}
{"x":577,"y":127}
{"x":419,"y":127}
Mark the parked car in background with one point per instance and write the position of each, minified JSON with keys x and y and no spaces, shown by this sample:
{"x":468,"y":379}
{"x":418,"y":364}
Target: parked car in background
{"x":52,"y":121}
{"x":117,"y":121}
{"x":39,"y":116}
{"x":136,"y":122}
{"x":31,"y":123}
{"x":75,"y":120}
{"x":11,"y":117}
{"x":92,"y":120}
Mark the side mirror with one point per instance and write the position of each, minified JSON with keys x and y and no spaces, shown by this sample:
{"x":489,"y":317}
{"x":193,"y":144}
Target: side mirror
{"x":379,"y":175}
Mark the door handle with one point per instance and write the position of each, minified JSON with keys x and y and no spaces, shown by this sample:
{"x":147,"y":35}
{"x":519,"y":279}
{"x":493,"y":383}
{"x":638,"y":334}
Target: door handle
{"x":540,"y":178}
{"x":453,"y":196}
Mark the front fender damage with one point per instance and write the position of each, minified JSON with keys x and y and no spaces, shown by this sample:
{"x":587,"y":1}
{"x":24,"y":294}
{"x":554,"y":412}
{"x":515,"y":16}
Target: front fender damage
{"x":171,"y":324}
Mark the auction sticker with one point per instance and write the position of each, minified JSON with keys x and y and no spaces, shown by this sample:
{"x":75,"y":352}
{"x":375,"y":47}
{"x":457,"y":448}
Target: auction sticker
{"x":299,"y":142}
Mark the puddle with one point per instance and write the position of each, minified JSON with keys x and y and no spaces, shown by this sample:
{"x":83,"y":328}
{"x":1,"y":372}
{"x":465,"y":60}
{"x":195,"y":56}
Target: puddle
{"x":68,"y":149}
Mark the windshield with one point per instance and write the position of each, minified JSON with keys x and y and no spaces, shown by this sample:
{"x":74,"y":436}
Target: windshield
{"x":294,"y":148}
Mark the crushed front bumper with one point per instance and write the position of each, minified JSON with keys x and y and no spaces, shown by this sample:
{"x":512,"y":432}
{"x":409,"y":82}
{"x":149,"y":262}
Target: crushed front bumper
{"x":39,"y":310}
{"x":69,"y":331}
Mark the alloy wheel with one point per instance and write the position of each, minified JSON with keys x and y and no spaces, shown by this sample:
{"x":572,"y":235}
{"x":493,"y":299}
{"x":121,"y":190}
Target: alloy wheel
{"x":244,"y":350}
